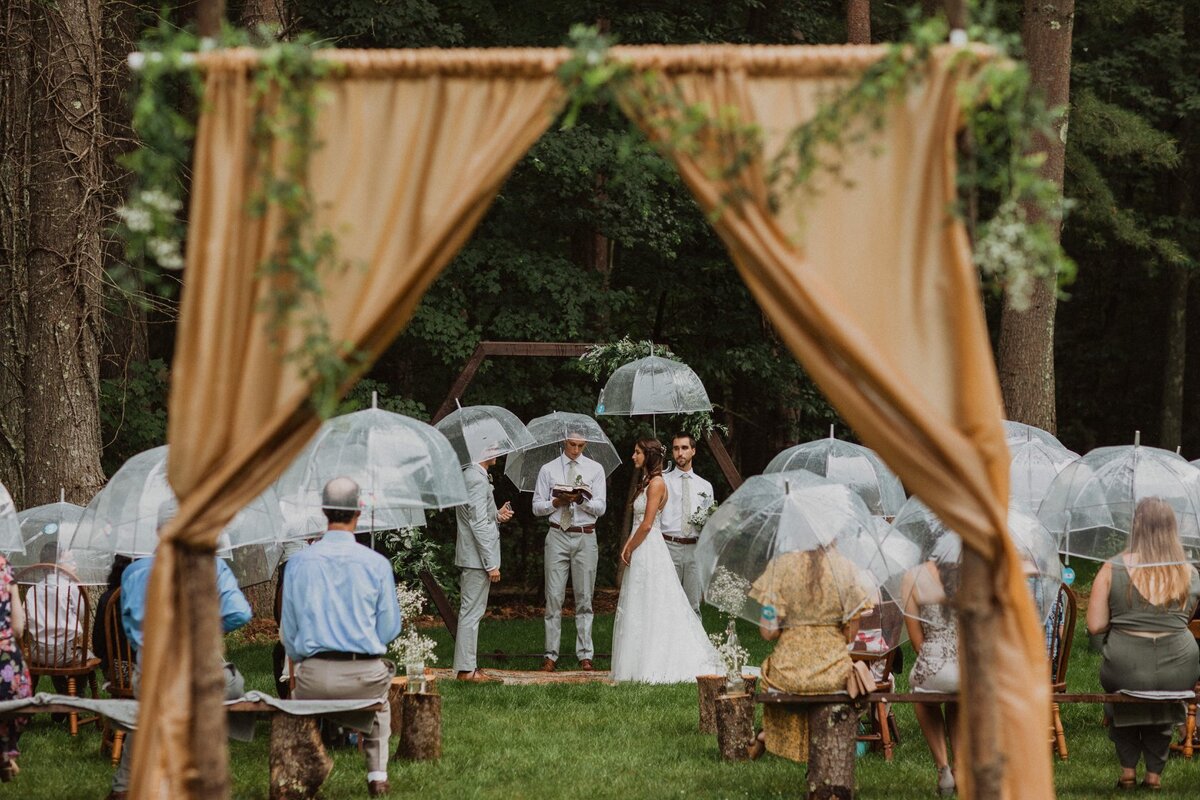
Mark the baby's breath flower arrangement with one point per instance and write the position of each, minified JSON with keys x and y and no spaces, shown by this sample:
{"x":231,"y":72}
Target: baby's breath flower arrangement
{"x":727,"y":591}
{"x":411,"y":647}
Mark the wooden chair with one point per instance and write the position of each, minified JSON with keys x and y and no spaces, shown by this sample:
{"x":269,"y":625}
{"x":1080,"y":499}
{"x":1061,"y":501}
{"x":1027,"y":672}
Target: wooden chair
{"x":1060,"y":659}
{"x":879,"y":714}
{"x":1188,"y":746}
{"x":55,"y":602}
{"x":118,"y":673}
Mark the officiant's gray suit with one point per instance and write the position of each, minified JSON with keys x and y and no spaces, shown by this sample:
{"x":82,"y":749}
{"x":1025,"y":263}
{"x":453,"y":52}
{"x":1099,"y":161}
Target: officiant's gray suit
{"x":570,"y":548}
{"x":476,"y":551}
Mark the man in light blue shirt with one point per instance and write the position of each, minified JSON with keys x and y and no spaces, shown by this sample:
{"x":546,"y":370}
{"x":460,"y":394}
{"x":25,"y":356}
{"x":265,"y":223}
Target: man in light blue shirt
{"x":235,"y":612}
{"x":339,"y":615}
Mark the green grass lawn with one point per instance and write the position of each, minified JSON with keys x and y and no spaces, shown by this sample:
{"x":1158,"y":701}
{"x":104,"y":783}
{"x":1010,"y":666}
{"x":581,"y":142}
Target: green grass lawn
{"x":584,"y":741}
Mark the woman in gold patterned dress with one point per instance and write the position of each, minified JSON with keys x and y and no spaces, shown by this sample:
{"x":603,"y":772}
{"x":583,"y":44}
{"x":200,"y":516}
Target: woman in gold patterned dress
{"x":811,"y":601}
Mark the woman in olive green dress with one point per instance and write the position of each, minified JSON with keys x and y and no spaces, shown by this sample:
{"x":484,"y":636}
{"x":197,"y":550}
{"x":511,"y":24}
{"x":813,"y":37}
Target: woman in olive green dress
{"x":811,"y":602}
{"x":1142,"y":601}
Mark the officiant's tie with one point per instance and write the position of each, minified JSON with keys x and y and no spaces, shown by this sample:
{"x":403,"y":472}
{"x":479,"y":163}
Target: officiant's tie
{"x":568,"y":513}
{"x":686,"y":479}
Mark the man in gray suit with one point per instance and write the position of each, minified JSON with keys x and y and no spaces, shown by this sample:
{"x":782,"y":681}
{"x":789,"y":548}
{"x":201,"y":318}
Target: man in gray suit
{"x":477,"y":554}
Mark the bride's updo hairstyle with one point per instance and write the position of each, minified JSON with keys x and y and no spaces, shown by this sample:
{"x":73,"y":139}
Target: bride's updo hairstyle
{"x":652,"y":466}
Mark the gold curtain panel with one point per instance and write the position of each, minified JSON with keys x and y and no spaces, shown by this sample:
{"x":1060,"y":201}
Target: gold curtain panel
{"x":869,"y":282}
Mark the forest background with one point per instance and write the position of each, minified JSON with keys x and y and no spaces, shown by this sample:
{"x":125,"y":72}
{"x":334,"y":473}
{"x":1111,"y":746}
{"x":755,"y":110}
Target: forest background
{"x":592,"y":238}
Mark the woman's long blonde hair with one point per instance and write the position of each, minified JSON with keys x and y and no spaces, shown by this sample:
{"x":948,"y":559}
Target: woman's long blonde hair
{"x":1155,"y":541}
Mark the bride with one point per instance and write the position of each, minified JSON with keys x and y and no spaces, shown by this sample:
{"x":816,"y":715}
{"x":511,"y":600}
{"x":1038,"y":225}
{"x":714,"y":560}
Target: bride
{"x":657,"y":638}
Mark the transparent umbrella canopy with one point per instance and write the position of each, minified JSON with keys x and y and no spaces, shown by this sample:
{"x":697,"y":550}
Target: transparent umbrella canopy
{"x":847,"y":463}
{"x":1090,"y":504}
{"x":400,"y":464}
{"x":796,"y":539}
{"x":44,"y":529}
{"x":1034,"y":466}
{"x":1018,"y":433}
{"x":653,"y":385}
{"x":122,"y":519}
{"x":549,"y":432}
{"x":10,"y":526}
{"x":480,"y":433}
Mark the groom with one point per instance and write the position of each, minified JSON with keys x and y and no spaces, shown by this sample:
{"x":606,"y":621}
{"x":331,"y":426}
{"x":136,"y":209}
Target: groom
{"x":687,"y":493}
{"x":570,"y":543}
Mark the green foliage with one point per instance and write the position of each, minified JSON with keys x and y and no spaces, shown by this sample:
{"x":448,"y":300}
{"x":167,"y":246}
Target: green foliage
{"x":413,"y":551}
{"x":133,"y":412}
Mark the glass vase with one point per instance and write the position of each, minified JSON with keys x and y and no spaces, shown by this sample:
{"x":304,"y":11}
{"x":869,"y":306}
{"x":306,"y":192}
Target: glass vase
{"x":415,"y":673}
{"x":733,"y":668}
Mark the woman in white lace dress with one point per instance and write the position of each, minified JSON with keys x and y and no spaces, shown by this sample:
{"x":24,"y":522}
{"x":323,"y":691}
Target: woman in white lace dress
{"x":657,"y":637}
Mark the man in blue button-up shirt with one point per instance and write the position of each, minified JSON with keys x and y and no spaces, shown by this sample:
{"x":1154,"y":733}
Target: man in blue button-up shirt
{"x":339,"y":615}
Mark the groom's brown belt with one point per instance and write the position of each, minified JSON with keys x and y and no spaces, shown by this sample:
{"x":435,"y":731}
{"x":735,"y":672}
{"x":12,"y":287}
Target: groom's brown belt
{"x":680,"y":539}
{"x":575,"y":529}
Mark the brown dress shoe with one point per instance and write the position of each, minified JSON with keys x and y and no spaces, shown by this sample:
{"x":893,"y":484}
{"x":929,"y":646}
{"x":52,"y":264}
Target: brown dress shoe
{"x":548,"y":665}
{"x":378,"y":788}
{"x":585,"y":664}
{"x":477,"y":676}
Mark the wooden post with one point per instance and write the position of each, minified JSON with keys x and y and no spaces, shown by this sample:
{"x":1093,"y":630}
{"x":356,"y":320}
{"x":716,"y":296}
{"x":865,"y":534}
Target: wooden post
{"x":978,"y":613}
{"x":709,"y":686}
{"x":735,"y":725}
{"x":299,"y":763}
{"x":420,"y":727}
{"x":831,"y":743}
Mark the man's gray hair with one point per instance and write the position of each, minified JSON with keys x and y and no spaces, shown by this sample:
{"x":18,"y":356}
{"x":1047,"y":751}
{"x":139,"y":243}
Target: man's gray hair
{"x":340,"y":494}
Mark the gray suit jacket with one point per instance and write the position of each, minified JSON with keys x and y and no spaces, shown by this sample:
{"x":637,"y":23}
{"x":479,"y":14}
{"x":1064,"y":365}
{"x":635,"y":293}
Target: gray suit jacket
{"x":478,"y":544}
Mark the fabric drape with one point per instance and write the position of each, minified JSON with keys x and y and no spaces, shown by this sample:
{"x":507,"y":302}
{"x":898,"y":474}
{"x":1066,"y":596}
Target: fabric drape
{"x":870,"y":285}
{"x":406,"y":168}
{"x":869,"y":281}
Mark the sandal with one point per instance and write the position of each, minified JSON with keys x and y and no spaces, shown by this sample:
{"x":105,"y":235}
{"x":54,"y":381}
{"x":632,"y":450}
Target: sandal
{"x":755,"y":749}
{"x":1154,"y":787}
{"x":1126,"y":784}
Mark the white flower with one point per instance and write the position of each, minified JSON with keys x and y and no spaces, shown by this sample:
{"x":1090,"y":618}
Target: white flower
{"x":727,"y":591}
{"x":165,"y":252}
{"x":136,"y":218}
{"x":733,"y":656}
{"x":160,"y":201}
{"x":413,"y":648}
{"x":411,"y":600}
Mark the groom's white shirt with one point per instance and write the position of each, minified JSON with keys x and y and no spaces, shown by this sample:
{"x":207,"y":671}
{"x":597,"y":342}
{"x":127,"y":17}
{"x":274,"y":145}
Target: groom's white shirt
{"x":671,"y":518}
{"x":590,"y":472}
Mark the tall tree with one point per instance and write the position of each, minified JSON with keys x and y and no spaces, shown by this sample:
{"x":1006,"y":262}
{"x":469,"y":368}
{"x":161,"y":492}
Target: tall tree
{"x":61,"y":370}
{"x":858,"y":21}
{"x":1026,"y":351}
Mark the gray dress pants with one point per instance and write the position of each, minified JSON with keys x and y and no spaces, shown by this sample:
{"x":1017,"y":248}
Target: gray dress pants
{"x":684,"y":557}
{"x":322,"y":679}
{"x":473,"y":585}
{"x":573,"y":554}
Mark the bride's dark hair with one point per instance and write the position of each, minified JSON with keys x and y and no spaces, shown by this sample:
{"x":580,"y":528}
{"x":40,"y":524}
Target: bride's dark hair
{"x":654,"y":452}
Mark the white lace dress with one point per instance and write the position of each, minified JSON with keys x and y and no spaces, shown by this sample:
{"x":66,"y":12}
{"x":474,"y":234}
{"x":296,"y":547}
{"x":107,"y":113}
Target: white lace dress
{"x":657,"y":638}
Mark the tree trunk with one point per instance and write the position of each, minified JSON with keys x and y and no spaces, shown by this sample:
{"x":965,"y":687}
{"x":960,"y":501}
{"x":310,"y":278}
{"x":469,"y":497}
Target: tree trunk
{"x":299,"y":763}
{"x":707,"y":688}
{"x":1170,"y":434}
{"x":16,"y":51}
{"x":1026,"y":352}
{"x":978,"y":614}
{"x":735,"y":726}
{"x":271,"y":13}
{"x":62,"y":420}
{"x":421,"y":734}
{"x":831,"y":744}
{"x":858,"y":21}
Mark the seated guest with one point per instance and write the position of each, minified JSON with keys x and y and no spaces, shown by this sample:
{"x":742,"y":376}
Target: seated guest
{"x":233,"y":608}
{"x":1143,"y":612}
{"x":339,"y":615}
{"x":100,"y":632}
{"x":811,"y":601}
{"x":929,"y":591}
{"x":52,"y":605}
{"x":14,"y":677}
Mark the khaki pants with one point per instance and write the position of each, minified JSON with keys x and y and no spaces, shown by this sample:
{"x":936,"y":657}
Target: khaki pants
{"x":684,"y":558}
{"x":574,"y":555}
{"x":322,"y":679}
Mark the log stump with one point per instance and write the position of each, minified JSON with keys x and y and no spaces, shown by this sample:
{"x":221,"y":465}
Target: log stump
{"x":299,"y":763}
{"x":831,"y":743}
{"x":420,"y":727}
{"x":709,"y":686}
{"x":735,"y":725}
{"x":399,"y":687}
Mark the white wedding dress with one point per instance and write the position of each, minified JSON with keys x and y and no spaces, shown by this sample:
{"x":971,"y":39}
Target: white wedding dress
{"x":657,"y":638}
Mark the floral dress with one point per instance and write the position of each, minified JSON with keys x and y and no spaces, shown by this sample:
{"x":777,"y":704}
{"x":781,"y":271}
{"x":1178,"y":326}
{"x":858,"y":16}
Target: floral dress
{"x":14,"y":677}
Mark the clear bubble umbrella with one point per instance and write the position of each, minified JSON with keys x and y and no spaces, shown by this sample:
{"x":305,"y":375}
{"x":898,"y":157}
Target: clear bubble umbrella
{"x":653,"y":385}
{"x":44,"y":528}
{"x":1016,"y":433}
{"x":1034,"y":466}
{"x":847,"y":463}
{"x":550,"y":432}
{"x":10,"y":526}
{"x":123,"y":517}
{"x":480,"y":433}
{"x":800,"y":535}
{"x":1090,"y":504}
{"x":1038,"y":550}
{"x":400,"y":464}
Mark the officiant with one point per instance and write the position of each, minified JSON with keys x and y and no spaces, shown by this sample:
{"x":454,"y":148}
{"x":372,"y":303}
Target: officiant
{"x":688,"y":498}
{"x":571,"y":491}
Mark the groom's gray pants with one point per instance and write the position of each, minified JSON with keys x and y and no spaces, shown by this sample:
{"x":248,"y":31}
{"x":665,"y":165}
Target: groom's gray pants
{"x":684,"y":556}
{"x":473,"y":586}
{"x":573,"y":554}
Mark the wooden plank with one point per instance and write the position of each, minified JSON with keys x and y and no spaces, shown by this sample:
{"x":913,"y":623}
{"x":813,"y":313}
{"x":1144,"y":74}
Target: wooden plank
{"x":441,"y":602}
{"x":240,"y":707}
{"x":717,"y":445}
{"x":940,"y":697}
{"x":460,"y":384}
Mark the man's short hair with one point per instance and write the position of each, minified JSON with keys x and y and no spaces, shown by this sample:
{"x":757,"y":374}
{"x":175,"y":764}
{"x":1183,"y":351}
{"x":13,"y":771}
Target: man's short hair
{"x":684,"y":435}
{"x":339,"y":500}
